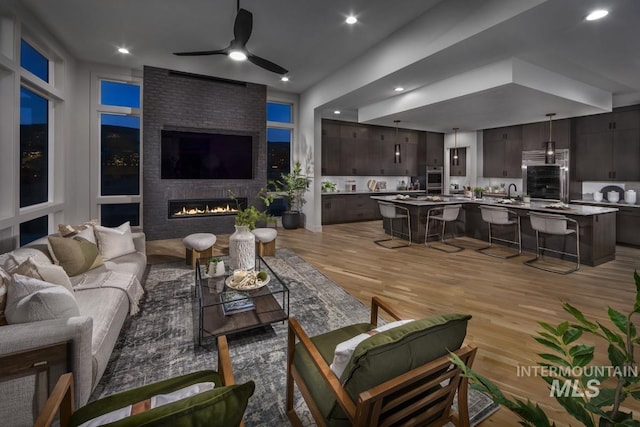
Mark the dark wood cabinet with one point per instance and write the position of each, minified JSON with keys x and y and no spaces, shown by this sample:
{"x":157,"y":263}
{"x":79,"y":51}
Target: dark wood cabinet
{"x":502,"y":152}
{"x":435,"y":149}
{"x":353,"y":149}
{"x":535,"y":135}
{"x":342,"y":208}
{"x":608,"y":147}
{"x":628,"y":226}
{"x":459,"y":169}
{"x":331,"y":155}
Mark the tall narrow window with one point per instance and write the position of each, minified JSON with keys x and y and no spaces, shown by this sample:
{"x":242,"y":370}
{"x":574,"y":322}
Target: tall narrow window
{"x":119,"y":155}
{"x":279,"y":139}
{"x":34,"y":148}
{"x":33,"y":61}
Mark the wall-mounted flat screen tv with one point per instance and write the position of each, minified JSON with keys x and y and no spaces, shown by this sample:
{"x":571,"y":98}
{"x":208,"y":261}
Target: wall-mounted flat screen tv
{"x":202,"y":155}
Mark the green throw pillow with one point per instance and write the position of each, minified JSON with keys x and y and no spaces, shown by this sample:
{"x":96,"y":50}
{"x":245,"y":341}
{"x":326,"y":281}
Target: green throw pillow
{"x":75,"y":254}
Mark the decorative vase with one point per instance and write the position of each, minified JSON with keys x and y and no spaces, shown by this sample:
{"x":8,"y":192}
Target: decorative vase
{"x":242,"y":249}
{"x":217,"y":269}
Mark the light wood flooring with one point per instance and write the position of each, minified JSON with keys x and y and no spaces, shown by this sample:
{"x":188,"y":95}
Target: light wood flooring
{"x":505,"y":297}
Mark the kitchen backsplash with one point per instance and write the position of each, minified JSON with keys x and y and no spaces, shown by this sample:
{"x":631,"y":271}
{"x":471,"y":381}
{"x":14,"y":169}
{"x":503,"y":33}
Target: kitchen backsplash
{"x":392,"y":182}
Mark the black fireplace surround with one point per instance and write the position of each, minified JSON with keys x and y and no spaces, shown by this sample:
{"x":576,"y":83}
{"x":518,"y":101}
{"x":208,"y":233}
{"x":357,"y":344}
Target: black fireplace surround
{"x":198,"y":208}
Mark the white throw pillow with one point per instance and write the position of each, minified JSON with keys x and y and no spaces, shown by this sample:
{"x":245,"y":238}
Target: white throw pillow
{"x":345,"y":349}
{"x":50,"y":273}
{"x":32,"y":300}
{"x":114,"y":242}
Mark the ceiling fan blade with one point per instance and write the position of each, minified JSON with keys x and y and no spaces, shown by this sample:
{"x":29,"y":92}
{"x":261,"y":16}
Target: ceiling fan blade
{"x":243,"y":26}
{"x":224,"y":51}
{"x":267,"y":65}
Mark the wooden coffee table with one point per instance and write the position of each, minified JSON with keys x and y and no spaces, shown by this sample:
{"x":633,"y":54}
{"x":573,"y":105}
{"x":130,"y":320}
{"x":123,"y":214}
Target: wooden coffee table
{"x":253,"y":309}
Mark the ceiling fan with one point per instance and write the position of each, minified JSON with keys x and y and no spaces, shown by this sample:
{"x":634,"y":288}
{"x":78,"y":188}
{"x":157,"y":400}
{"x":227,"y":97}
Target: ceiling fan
{"x":237,"y":48}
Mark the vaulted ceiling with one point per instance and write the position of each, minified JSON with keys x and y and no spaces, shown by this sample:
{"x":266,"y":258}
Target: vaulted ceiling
{"x":471,"y":64}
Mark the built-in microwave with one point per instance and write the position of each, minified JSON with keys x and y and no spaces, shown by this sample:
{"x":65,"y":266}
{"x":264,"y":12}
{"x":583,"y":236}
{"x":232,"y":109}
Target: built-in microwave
{"x":434,"y":178}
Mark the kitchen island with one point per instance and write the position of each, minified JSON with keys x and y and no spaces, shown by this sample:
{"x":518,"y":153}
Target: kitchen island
{"x":597,"y":224}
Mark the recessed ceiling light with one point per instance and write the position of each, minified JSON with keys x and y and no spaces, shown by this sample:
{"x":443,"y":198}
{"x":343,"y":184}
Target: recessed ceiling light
{"x":237,"y":55}
{"x":336,"y":112}
{"x":597,"y":14}
{"x":351,"y":20}
{"x":284,"y":78}
{"x":399,"y":89}
{"x":124,"y":50}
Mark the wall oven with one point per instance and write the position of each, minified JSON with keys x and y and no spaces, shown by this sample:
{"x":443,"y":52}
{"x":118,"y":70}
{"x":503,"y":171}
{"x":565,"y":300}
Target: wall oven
{"x":434,"y":178}
{"x":542,"y":180}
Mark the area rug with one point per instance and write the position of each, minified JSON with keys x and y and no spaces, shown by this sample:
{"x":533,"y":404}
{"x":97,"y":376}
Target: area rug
{"x":159,"y":343}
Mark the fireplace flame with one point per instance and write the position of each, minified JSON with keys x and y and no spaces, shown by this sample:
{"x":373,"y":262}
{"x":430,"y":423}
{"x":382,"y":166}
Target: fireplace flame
{"x":206,"y":211}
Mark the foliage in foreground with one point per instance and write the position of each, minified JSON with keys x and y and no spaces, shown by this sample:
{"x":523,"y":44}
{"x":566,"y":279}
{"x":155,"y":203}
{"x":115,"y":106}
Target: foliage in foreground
{"x":594,"y":395}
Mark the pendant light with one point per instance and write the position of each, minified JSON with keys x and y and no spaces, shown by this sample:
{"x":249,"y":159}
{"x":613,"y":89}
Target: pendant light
{"x":396,"y":148}
{"x":455,"y":161}
{"x":550,"y":145}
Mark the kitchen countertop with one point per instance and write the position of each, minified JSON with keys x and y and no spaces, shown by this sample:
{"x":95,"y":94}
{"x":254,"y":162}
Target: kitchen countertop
{"x":605,"y":203}
{"x":342,"y":193}
{"x":573,"y":209}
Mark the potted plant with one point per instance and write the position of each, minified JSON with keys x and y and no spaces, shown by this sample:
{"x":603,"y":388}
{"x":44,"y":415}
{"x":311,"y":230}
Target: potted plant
{"x":591,"y":394}
{"x":293,"y":185}
{"x":328,"y":187}
{"x":477,"y":192}
{"x":215,"y":267}
{"x":242,"y":241}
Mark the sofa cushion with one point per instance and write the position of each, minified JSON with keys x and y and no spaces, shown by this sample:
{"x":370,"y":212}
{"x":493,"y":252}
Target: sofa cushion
{"x":31,"y":300}
{"x":75,"y":254}
{"x":114,"y":242}
{"x":345,"y":349}
{"x":134,"y":263}
{"x":49,"y":273}
{"x":4,"y":283}
{"x":108,"y":307}
{"x":221,"y":406}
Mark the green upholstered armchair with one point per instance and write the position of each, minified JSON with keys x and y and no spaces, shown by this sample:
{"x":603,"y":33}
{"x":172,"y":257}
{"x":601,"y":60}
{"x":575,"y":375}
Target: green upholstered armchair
{"x":401,"y":376}
{"x":222,"y":406}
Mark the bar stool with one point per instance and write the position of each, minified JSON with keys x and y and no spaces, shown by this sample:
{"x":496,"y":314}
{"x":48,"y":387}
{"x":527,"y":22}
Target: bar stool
{"x":494,"y":215}
{"x":444,"y":214}
{"x":555,"y":225}
{"x":390,"y":211}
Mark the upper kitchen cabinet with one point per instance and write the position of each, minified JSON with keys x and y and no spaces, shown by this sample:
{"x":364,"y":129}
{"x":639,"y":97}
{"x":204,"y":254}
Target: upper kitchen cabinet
{"x":331,"y":157}
{"x":502,"y":152}
{"x":381,"y":140}
{"x":354,"y":148}
{"x":435,"y":149}
{"x":459,"y":169}
{"x":608,"y":147}
{"x":407,"y":162}
{"x":535,"y":135}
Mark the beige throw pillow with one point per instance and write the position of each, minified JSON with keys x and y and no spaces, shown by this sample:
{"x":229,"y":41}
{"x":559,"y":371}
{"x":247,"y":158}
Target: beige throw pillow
{"x":67,"y":230}
{"x":76,"y":255}
{"x":114,"y":242}
{"x":32,"y":300}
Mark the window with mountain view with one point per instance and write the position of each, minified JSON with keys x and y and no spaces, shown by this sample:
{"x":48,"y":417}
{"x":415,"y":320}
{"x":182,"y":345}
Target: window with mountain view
{"x":34,"y":148}
{"x":279,"y":138}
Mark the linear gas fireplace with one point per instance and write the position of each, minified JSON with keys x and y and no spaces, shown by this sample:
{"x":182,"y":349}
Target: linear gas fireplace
{"x":197,"y":208}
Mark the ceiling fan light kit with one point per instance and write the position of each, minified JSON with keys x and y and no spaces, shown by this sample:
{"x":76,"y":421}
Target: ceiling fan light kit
{"x":237,"y":50}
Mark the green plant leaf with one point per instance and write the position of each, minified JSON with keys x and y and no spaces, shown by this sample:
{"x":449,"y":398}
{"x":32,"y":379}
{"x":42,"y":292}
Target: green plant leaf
{"x":627,"y":423}
{"x":581,"y":350}
{"x":612,"y":336}
{"x":555,"y":359}
{"x":549,"y":328}
{"x":571,"y":335}
{"x":632,"y":330}
{"x":574,"y":406}
{"x":582,"y":360}
{"x":550,"y":344}
{"x":579,"y":316}
{"x":604,"y":398}
{"x":550,"y":337}
{"x":615,"y":356}
{"x":618,"y":319}
{"x":562,"y":327}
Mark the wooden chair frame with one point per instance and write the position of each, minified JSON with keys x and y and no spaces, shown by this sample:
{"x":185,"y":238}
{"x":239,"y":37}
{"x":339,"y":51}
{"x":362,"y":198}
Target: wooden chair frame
{"x":61,"y":398}
{"x":389,"y":402}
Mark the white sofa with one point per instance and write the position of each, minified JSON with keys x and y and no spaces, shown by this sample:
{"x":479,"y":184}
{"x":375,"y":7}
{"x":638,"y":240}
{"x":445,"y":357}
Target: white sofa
{"x":93,"y":334}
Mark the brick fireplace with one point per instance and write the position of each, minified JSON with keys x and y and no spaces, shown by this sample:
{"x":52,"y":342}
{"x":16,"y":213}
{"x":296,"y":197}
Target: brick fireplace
{"x":186,"y":102}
